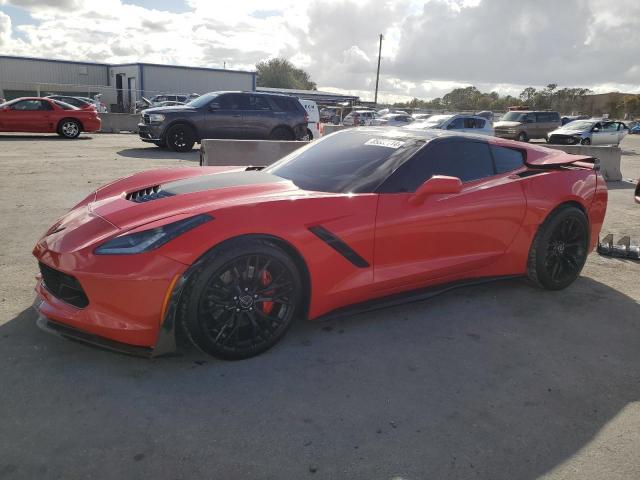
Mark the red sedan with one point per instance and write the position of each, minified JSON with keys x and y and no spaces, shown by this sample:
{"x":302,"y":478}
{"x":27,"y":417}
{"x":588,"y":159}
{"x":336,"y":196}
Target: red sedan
{"x":360,"y":219}
{"x":45,"y":115}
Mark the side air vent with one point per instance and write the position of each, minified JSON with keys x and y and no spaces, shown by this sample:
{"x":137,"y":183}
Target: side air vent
{"x":339,"y":246}
{"x":147,"y":194}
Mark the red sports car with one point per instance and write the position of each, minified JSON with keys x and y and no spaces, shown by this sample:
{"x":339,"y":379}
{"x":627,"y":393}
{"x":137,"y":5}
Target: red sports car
{"x":46,"y":115}
{"x":362,"y":218}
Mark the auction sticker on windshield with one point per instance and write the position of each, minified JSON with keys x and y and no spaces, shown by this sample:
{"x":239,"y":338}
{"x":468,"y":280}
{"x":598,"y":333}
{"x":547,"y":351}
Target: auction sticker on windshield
{"x":383,"y":142}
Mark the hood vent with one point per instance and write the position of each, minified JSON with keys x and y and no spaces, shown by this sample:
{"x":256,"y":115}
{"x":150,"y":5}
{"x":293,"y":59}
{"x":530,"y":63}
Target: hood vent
{"x":147,"y":194}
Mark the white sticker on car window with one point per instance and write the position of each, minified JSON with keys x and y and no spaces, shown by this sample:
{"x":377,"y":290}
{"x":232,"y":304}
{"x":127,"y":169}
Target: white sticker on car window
{"x":383,"y":142}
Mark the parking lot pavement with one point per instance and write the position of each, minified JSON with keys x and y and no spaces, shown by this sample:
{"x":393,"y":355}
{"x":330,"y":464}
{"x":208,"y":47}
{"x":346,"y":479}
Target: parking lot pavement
{"x":499,"y":381}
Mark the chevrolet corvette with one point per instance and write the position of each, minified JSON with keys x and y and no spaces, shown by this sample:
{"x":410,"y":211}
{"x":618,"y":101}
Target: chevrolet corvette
{"x":363,"y":218}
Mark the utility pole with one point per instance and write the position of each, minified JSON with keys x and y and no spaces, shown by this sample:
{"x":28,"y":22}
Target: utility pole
{"x":375,"y":100}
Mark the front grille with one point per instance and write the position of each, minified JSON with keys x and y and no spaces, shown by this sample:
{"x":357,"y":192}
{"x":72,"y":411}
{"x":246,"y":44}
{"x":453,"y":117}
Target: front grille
{"x":63,"y":286}
{"x":145,"y":118}
{"x":562,"y":140}
{"x":147,"y":194}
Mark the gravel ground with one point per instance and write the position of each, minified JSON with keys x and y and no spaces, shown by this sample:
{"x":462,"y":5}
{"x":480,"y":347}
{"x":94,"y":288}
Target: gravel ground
{"x":499,"y":381}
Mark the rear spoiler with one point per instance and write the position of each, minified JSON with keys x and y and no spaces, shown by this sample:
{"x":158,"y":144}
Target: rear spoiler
{"x":562,"y":159}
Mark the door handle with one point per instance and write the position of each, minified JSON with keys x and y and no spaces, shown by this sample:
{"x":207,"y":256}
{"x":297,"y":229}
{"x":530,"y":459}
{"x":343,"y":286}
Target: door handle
{"x":236,"y":115}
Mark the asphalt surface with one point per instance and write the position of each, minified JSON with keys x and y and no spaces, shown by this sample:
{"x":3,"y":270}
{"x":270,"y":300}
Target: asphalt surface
{"x":499,"y":381}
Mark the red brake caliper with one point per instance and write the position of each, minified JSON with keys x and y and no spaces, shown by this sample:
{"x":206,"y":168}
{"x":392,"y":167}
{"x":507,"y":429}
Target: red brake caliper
{"x":266,"y":280}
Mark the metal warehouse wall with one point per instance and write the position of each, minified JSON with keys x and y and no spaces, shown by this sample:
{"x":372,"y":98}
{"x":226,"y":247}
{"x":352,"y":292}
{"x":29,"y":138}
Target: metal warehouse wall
{"x":161,"y":79}
{"x":26,"y":72}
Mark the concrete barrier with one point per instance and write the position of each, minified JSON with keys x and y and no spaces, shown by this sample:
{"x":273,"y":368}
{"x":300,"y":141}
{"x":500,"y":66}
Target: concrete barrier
{"x":119,"y":122}
{"x":328,"y":128}
{"x":245,"y":152}
{"x":609,"y":158}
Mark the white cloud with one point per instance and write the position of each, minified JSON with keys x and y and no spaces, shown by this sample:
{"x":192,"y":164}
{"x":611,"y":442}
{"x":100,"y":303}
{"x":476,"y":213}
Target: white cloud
{"x":5,"y":29}
{"x":430,"y":46}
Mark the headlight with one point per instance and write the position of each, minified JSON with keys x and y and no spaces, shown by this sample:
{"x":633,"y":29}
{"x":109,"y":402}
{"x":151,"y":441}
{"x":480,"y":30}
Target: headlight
{"x":156,"y":117}
{"x":147,"y":240}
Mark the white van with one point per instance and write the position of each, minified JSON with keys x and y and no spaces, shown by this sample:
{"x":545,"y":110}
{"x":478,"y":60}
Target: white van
{"x":313,"y":127}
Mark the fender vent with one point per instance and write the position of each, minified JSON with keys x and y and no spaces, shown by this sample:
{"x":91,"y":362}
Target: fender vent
{"x":339,"y":246}
{"x":147,"y":194}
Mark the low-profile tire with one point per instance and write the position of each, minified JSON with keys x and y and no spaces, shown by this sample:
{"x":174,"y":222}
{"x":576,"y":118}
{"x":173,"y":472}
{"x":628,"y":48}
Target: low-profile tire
{"x":559,"y":249}
{"x":522,"y":137}
{"x":180,"y":138}
{"x":243,"y":301}
{"x":69,"y":128}
{"x":585,"y":141}
{"x":282,"y":133}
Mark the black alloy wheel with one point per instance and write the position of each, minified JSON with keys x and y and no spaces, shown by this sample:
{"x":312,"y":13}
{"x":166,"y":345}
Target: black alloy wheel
{"x":560,"y":249}
{"x":245,"y":303}
{"x":180,"y":138}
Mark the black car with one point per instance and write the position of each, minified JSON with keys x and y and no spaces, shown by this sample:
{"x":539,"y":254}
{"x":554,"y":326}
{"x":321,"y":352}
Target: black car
{"x":236,"y":115}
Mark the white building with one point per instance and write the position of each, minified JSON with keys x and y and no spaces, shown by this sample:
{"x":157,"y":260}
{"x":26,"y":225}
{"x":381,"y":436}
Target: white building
{"x":120,"y":85}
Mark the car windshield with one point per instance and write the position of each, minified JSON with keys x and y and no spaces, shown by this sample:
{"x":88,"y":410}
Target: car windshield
{"x":579,"y":125}
{"x":203,"y":100}
{"x":347,"y":162}
{"x":514,"y":117}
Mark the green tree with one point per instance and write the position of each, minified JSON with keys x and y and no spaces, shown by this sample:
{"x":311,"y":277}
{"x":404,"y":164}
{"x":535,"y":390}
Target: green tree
{"x":281,"y":73}
{"x":527,"y":95}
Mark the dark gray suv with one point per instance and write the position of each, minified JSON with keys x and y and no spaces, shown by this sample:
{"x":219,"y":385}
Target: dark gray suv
{"x":237,"y":115}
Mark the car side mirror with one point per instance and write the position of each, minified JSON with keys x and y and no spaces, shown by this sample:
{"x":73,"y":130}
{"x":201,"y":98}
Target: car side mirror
{"x":451,"y":127}
{"x":436,"y":185}
{"x":595,"y":129}
{"x":214,"y":106}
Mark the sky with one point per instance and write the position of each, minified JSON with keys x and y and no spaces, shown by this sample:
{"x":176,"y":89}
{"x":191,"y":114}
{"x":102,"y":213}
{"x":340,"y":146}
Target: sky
{"x":429,"y":47}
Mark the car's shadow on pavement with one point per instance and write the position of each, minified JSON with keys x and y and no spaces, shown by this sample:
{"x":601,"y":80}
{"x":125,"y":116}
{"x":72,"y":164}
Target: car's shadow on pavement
{"x":158,"y":153}
{"x":493,"y":381}
{"x":31,"y":138}
{"x":621,"y":185}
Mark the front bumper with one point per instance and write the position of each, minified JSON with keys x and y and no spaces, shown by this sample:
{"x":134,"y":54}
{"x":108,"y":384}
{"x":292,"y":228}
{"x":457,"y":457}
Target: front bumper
{"x":505,"y":134}
{"x":128,"y":299}
{"x":559,"y":139}
{"x":75,"y":334}
{"x":149,"y":132}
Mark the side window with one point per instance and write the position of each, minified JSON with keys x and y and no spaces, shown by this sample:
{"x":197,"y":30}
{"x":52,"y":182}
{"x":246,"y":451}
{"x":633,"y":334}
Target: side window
{"x":507,"y":159}
{"x":467,"y":160}
{"x":63,"y":105}
{"x":457,"y":124}
{"x":470,"y":122}
{"x":286,"y":104}
{"x":257,"y":102}
{"x":464,"y":159}
{"x":233,"y":102}
{"x":72,"y":101}
{"x":529,"y":118}
{"x":31,"y":105}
